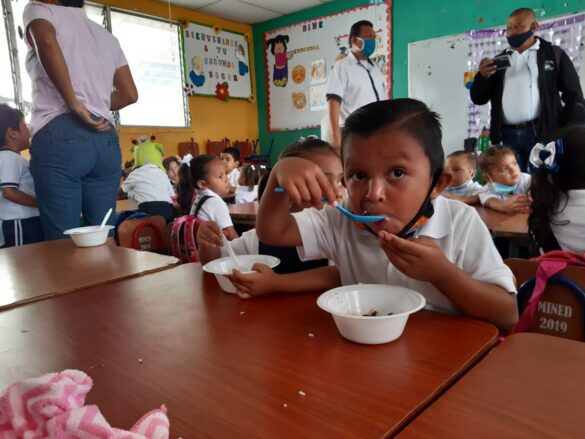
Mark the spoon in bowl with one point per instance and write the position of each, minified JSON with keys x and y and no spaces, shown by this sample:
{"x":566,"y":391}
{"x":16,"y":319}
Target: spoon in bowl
{"x":106,"y":218}
{"x":232,"y":254}
{"x":352,"y":216}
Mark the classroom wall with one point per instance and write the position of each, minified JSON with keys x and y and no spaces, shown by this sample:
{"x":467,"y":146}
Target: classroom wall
{"x":211,"y":118}
{"x":415,"y":20}
{"x":284,"y":138}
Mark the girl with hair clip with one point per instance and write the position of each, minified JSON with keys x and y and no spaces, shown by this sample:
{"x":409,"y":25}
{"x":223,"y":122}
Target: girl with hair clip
{"x":204,"y":180}
{"x":557,"y":218}
{"x":247,"y":189}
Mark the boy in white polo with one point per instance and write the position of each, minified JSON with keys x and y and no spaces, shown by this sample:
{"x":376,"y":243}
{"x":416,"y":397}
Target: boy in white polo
{"x":354,"y":81}
{"x":20,"y":222}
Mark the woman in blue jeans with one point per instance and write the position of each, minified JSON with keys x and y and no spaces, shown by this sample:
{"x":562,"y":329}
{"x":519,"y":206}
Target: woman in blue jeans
{"x":79,"y":75}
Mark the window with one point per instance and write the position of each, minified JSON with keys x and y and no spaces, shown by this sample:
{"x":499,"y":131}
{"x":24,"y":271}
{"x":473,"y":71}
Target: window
{"x":25,"y":82}
{"x":6,"y":85}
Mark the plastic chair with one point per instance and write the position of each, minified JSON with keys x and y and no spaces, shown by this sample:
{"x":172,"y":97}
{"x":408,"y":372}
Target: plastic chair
{"x":191,"y":147}
{"x":216,"y":147}
{"x":245,"y":147}
{"x":561,"y":309}
{"x":260,"y":158}
{"x":149,"y":233}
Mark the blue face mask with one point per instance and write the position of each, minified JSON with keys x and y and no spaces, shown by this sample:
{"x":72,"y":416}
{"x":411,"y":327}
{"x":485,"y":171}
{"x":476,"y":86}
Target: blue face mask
{"x":368,"y":47}
{"x":504,"y":189}
{"x":457,"y":188}
{"x":516,"y":41}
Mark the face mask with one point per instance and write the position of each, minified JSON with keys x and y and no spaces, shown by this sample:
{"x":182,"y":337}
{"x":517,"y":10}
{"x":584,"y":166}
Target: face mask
{"x":368,"y":46}
{"x":458,"y":188}
{"x":516,"y":41}
{"x":504,"y":189}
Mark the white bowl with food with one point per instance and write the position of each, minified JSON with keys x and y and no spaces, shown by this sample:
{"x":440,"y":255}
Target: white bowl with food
{"x":223,"y":267}
{"x":371,"y":314}
{"x":89,"y":236}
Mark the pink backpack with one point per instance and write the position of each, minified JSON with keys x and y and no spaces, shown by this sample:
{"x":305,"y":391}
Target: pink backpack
{"x":183,"y":233}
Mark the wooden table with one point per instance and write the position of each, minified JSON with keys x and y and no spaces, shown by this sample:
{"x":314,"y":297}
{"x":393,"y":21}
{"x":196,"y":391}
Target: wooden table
{"x":230,"y":368}
{"x":128,"y":204}
{"x":514,"y":227}
{"x":37,"y":271}
{"x":491,"y":217}
{"x":530,"y":386}
{"x":244,"y":213}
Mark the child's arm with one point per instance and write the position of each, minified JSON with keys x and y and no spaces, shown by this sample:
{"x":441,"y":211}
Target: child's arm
{"x":303,"y":182}
{"x":514,"y":204}
{"x":265,"y":281}
{"x":423,"y":260}
{"x":209,"y":242}
{"x":471,"y":200}
{"x":17,"y":196}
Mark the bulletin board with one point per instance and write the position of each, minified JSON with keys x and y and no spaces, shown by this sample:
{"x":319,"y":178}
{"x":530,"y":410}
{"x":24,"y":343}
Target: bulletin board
{"x":304,"y":54}
{"x":216,"y":62}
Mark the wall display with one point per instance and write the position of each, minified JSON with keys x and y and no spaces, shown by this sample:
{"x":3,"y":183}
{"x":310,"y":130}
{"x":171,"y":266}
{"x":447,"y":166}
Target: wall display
{"x":299,"y":57}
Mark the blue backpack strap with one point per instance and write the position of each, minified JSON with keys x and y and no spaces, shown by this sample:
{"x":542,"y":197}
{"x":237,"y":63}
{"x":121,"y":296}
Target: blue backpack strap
{"x":199,"y":205}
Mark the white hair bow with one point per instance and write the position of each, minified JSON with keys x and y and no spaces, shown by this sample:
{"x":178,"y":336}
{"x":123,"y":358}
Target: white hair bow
{"x":310,"y":136}
{"x":186,"y":160}
{"x":545,"y":155}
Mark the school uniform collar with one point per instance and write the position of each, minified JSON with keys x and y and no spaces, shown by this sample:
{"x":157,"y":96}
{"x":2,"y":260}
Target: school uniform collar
{"x":208,"y":192}
{"x":352,"y":59}
{"x":439,"y":225}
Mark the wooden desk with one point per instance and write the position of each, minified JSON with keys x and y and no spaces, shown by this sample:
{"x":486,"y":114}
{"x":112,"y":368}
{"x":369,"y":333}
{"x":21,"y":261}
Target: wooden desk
{"x":530,"y":386}
{"x":231,"y":368}
{"x":244,"y":213}
{"x":514,"y":227}
{"x":37,"y":271}
{"x":491,"y":217}
{"x":128,"y":204}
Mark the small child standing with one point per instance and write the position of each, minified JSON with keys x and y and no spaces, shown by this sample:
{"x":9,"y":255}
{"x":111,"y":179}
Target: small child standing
{"x":152,"y":190}
{"x":462,"y":166}
{"x":20,"y":222}
{"x":557,"y":217}
{"x":506,"y":188}
{"x":247,"y":189}
{"x":205,"y":176}
{"x":230,"y":156}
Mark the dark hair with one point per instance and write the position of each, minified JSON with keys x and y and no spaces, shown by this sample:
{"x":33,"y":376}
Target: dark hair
{"x":469,"y":157}
{"x":549,"y":189}
{"x":72,"y":3}
{"x":167,"y":162}
{"x":262,"y":184}
{"x":356,"y":28}
{"x":251,"y":175}
{"x":520,"y":11}
{"x":234,"y":152}
{"x":189,"y":175}
{"x":490,"y":157}
{"x":9,"y":118}
{"x":277,"y":39}
{"x":306,"y":147}
{"x":408,"y":115}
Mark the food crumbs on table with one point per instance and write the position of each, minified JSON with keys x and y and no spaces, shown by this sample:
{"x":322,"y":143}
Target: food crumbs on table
{"x":285,"y":405}
{"x":140,"y":360}
{"x":302,"y":393}
{"x":242,"y":313}
{"x":311,"y":334}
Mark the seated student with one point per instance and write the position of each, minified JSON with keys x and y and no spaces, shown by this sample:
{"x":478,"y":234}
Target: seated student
{"x":557,"y":217}
{"x":204,"y":180}
{"x":462,"y":166}
{"x":152,"y":190}
{"x":172,"y":165}
{"x":230,"y":156}
{"x":392,"y":163}
{"x":247,"y":190}
{"x":506,"y":188}
{"x":20,"y":222}
{"x":317,"y":275}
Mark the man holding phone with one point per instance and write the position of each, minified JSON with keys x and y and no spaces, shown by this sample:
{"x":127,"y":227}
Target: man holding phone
{"x":532,"y":86}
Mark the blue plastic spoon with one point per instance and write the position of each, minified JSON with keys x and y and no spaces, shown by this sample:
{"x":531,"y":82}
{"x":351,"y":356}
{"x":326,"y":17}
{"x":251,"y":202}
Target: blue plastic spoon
{"x":352,"y":216}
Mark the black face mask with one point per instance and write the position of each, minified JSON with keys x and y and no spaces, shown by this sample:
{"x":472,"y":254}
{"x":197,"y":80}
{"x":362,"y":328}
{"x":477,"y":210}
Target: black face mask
{"x":516,"y":41}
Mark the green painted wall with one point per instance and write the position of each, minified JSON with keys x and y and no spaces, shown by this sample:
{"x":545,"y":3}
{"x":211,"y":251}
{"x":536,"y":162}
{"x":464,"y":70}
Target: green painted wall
{"x":412,"y":20}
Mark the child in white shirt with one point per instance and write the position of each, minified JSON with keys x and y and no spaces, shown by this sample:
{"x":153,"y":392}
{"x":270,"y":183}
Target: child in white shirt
{"x":462,"y":166}
{"x":230,"y":156}
{"x":506,"y":188}
{"x":20,"y":222}
{"x":152,"y":190}
{"x":392,"y":159}
{"x":247,"y":190}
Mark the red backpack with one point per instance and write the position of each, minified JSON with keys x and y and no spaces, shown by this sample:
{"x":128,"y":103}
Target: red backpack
{"x":183,"y":233}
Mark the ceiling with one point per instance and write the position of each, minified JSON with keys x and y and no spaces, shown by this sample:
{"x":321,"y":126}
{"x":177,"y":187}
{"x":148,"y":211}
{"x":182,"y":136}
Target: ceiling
{"x":248,"y":11}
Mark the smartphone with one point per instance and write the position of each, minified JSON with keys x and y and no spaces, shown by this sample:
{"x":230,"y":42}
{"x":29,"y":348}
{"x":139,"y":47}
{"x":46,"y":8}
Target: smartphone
{"x":502,"y":61}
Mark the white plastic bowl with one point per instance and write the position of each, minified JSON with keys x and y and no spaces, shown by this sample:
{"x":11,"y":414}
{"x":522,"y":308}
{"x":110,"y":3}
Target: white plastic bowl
{"x":89,"y":236}
{"x":221,"y":267}
{"x":350,"y":303}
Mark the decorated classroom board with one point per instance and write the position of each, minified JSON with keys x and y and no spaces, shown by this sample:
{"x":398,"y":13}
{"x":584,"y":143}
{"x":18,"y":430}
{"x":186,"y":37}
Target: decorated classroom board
{"x":441,"y":70}
{"x":299,"y":57}
{"x":216,"y":62}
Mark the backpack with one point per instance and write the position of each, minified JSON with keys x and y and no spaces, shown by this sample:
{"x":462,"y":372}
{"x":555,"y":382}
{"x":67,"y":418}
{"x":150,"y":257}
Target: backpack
{"x":183,"y":233}
{"x":123,"y":216}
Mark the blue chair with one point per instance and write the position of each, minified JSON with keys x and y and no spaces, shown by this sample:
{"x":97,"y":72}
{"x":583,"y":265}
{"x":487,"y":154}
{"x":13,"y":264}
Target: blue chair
{"x":256,"y":157}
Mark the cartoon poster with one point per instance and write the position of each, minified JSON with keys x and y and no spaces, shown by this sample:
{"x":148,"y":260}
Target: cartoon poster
{"x":216,"y":62}
{"x":299,"y":58}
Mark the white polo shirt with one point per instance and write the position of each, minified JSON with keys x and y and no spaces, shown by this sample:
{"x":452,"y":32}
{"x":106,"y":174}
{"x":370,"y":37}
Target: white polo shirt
{"x":245,"y":195}
{"x":349,"y":80}
{"x":234,"y":177}
{"x":148,"y":183}
{"x":521,"y":97}
{"x":214,"y":209}
{"x":470,"y":189}
{"x":14,"y":172}
{"x":571,"y":236}
{"x":488,"y":192}
{"x":455,"y":227}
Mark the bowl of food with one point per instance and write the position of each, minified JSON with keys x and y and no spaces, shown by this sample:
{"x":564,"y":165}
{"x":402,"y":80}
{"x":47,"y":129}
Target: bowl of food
{"x":371,"y":314}
{"x":223,"y":267}
{"x":89,"y":236}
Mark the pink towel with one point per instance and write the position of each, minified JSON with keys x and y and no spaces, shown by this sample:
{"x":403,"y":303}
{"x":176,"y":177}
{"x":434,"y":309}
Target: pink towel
{"x":51,"y":406}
